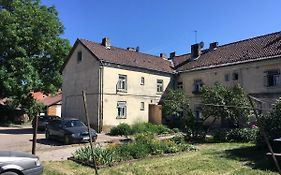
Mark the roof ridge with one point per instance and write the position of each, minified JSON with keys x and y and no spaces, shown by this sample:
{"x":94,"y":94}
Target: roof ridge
{"x":123,"y":49}
{"x":248,"y":39}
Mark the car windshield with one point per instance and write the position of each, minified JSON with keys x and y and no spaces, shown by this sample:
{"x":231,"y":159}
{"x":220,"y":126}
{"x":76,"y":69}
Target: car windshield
{"x":73,"y":123}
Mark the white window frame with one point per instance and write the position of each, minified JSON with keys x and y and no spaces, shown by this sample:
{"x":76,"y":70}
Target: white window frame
{"x":121,"y":110}
{"x":160,"y":85}
{"x":122,"y":83}
{"x":142,"y":106}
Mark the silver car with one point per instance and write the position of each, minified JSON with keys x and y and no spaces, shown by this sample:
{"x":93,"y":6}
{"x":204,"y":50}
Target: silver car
{"x":19,"y":163}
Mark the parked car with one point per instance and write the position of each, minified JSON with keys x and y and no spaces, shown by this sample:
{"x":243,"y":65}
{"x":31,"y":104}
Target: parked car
{"x":69,"y":130}
{"x":43,"y":121}
{"x":19,"y":163}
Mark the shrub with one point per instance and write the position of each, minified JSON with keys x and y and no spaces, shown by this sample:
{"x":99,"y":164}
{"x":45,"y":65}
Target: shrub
{"x":103,"y":156}
{"x":121,"y":129}
{"x":150,"y":128}
{"x":242,"y":135}
{"x":270,"y":123}
{"x":236,"y":135}
{"x":220,"y":135}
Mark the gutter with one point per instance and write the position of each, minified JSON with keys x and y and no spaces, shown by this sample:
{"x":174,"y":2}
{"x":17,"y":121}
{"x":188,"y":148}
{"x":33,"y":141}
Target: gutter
{"x":229,"y":64}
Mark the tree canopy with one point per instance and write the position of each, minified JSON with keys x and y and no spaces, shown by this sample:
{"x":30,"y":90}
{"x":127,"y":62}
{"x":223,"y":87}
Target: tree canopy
{"x":31,"y":50}
{"x":225,"y":103}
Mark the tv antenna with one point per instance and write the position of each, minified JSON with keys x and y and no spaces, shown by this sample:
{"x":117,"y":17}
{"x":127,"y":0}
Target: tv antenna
{"x":195,"y":35}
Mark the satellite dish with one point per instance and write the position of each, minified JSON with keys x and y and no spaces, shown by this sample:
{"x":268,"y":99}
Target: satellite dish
{"x":201,"y":44}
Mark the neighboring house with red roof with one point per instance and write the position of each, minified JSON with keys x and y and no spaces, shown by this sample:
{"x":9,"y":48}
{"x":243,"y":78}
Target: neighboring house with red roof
{"x":122,"y":83}
{"x":51,"y":102}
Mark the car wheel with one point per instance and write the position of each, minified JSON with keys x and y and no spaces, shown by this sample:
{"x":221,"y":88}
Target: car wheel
{"x":9,"y":173}
{"x":66,"y":140}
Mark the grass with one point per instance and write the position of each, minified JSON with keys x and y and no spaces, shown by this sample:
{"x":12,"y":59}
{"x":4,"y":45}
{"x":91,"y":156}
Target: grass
{"x":219,"y":158}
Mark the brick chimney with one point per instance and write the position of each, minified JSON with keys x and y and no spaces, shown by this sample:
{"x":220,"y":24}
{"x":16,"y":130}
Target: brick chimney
{"x":163,"y":55}
{"x":213,"y":46}
{"x":195,"y":50}
{"x":172,"y":55}
{"x":106,"y":42}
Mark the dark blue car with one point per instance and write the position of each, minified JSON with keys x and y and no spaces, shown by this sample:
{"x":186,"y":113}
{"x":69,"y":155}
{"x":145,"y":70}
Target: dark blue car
{"x":69,"y":130}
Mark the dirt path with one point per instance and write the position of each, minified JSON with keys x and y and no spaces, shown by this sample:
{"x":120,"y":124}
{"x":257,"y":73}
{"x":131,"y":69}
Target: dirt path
{"x":20,"y":139}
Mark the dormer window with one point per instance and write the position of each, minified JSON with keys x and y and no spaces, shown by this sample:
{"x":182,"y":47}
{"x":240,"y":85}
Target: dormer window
{"x":79,"y":57}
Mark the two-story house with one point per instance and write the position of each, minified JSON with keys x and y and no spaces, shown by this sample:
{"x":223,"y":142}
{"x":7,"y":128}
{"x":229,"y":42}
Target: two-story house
{"x":254,"y":63}
{"x":120,"y":84}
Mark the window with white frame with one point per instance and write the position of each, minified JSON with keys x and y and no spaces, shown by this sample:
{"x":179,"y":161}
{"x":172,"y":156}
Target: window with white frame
{"x":121,"y":109}
{"x":197,"y":86}
{"x":142,"y":81}
{"x":160,"y":86}
{"x":142,"y":106}
{"x":122,"y":83}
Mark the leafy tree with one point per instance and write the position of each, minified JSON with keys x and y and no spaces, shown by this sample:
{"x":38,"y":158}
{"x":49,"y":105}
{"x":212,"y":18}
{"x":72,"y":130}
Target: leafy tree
{"x":220,"y":102}
{"x":31,"y":51}
{"x":270,"y":123}
{"x":176,"y":110}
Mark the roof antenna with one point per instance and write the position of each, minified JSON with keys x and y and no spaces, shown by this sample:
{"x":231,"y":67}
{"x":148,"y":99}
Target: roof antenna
{"x":195,"y":34}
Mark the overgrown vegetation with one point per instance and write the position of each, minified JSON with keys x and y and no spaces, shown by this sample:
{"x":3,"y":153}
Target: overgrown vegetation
{"x":176,"y":110}
{"x":231,"y":104}
{"x":142,"y":127}
{"x":236,"y":135}
{"x":143,"y":146}
{"x":270,"y":123}
{"x":218,"y":158}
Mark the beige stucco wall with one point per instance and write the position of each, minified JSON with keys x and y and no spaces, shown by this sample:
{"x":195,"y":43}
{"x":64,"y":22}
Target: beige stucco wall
{"x":136,"y":93}
{"x":251,"y":77}
{"x":77,"y":77}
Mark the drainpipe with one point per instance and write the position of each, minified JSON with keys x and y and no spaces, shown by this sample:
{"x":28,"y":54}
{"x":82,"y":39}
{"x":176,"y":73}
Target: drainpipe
{"x":100,"y":122}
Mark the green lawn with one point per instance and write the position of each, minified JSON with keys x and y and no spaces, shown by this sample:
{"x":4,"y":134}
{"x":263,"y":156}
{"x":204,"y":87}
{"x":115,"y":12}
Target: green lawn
{"x":220,"y":158}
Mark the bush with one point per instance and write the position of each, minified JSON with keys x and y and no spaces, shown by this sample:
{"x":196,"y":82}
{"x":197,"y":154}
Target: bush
{"x":144,"y":145}
{"x":125,"y":129}
{"x":236,"y":135}
{"x":242,"y":135}
{"x":121,"y":129}
{"x":271,"y":124}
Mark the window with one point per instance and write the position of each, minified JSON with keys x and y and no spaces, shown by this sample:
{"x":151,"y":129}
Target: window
{"x":197,"y":86}
{"x":122,"y":83}
{"x":272,"y":78}
{"x":142,"y":81}
{"x":159,"y":85}
{"x":198,"y":114}
{"x":235,"y":76}
{"x":79,"y":57}
{"x":226,"y":77}
{"x":121,"y":109}
{"x":180,"y":85}
{"x":142,"y":106}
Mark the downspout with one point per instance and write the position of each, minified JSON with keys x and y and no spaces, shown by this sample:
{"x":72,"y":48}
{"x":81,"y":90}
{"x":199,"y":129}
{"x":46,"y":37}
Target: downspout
{"x":101,"y":97}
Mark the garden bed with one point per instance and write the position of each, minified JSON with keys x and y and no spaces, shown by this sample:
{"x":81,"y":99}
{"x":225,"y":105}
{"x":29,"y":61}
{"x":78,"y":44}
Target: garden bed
{"x":144,"y":146}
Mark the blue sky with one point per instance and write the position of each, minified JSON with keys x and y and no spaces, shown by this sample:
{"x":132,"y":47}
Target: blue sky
{"x":167,"y":25}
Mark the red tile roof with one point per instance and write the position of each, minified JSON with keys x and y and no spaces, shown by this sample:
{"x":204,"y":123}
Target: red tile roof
{"x":265,"y":46}
{"x":51,"y":100}
{"x":128,"y":58}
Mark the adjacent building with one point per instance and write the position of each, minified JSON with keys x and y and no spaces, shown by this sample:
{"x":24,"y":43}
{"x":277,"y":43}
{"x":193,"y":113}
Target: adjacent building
{"x":122,"y":84}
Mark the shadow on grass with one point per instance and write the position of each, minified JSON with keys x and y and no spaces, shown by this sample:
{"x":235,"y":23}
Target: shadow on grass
{"x":255,"y":156}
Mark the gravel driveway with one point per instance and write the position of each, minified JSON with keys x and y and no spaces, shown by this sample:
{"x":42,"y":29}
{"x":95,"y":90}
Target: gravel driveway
{"x":20,"y":139}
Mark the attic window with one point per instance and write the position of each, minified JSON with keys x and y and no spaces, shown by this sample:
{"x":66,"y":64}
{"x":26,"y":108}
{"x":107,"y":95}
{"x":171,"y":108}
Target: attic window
{"x":79,"y":57}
